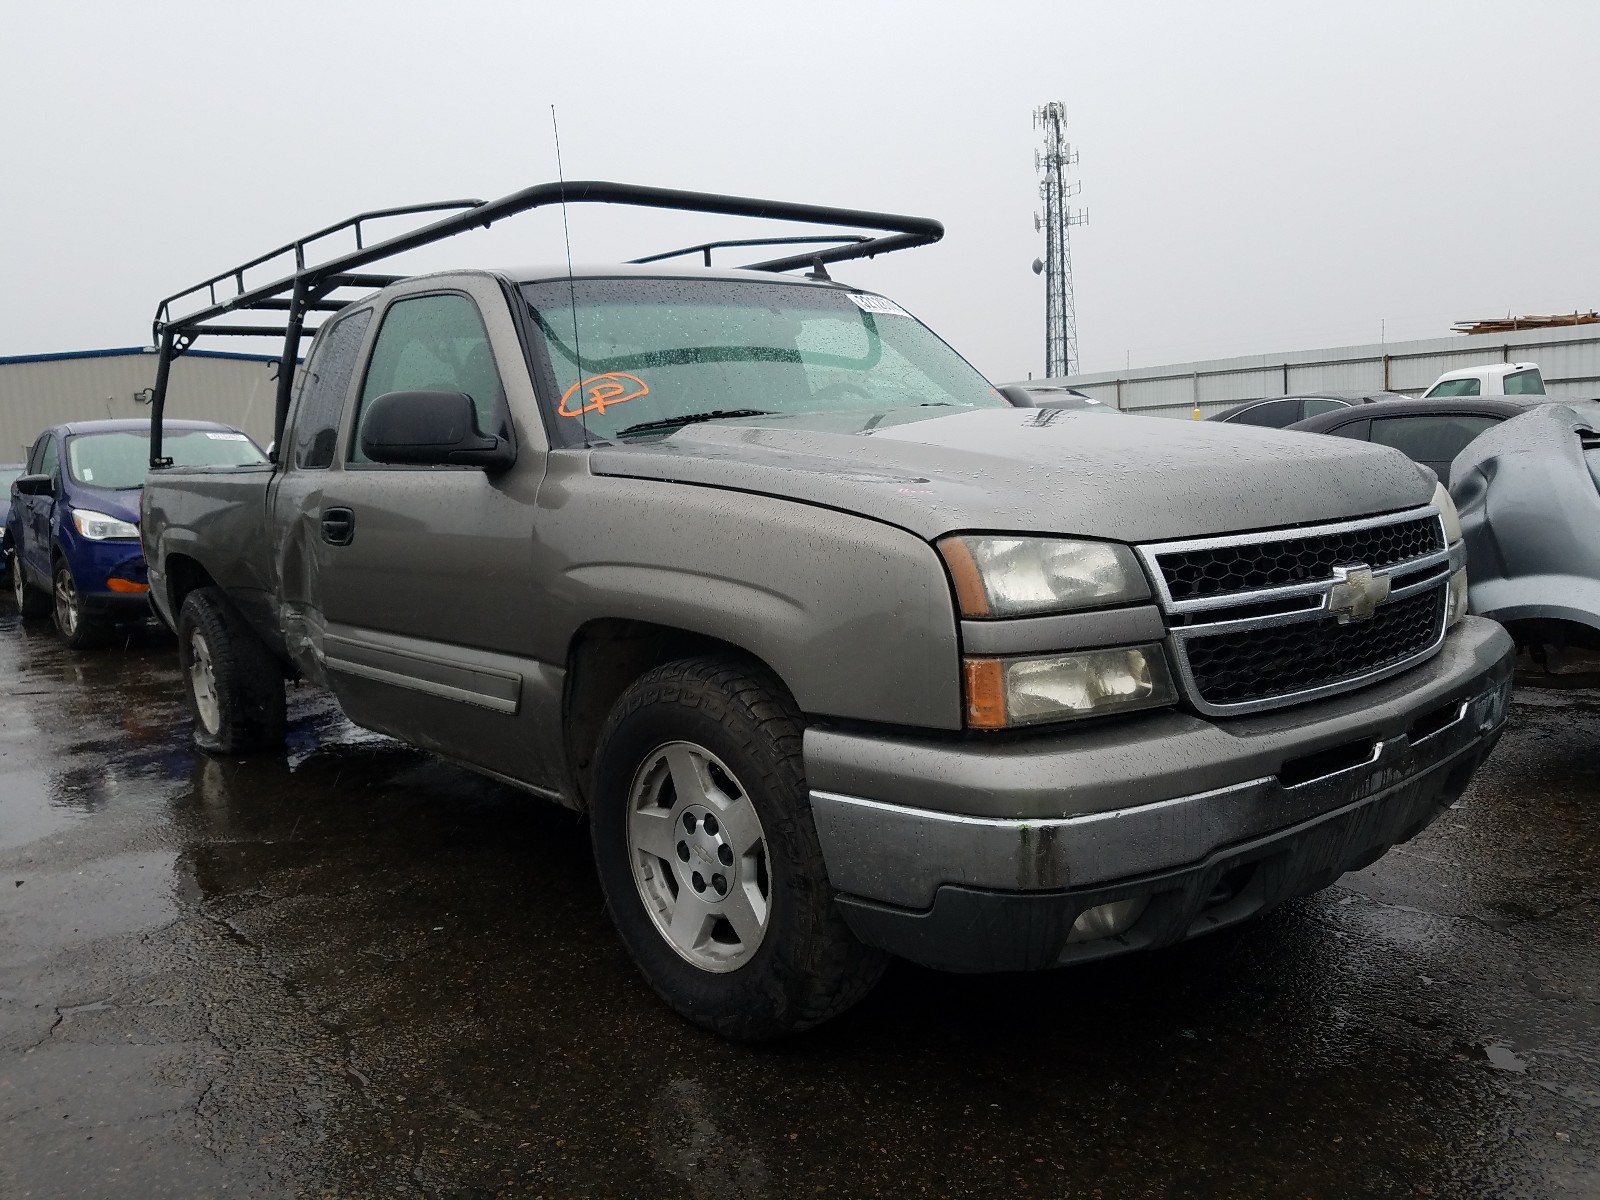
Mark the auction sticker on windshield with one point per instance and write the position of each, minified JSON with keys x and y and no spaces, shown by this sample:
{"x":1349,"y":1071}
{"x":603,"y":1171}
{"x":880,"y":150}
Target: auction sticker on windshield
{"x":600,"y":392}
{"x":867,"y":302}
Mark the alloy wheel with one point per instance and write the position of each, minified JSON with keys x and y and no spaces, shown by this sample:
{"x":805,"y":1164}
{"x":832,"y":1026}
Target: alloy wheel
{"x":699,"y":856}
{"x":67,"y":615}
{"x":203,"y":682}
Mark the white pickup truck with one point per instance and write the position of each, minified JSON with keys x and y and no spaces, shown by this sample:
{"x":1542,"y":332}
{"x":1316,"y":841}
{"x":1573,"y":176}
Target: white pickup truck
{"x":1495,"y":379}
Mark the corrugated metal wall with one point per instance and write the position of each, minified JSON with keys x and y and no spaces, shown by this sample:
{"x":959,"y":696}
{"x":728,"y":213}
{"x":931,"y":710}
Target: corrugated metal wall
{"x":1569,"y":359}
{"x":44,"y":391}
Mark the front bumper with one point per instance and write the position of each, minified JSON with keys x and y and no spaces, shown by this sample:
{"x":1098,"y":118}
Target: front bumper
{"x":106,"y":572}
{"x":1314,"y":791}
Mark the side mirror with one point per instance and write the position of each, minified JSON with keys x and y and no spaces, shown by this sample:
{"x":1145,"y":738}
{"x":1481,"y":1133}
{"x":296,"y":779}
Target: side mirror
{"x":34,"y":485}
{"x":430,"y":429}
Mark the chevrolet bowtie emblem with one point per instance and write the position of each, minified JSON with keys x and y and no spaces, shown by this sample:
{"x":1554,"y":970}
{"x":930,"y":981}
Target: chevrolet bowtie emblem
{"x":1356,"y":593}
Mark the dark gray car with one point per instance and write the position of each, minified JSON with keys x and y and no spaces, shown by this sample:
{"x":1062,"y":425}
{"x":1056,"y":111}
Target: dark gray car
{"x":1528,"y":491}
{"x":1430,"y":432}
{"x":1279,"y":412}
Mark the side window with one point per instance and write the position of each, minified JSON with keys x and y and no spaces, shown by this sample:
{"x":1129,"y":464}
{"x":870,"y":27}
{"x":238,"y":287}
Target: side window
{"x":1525,"y":383}
{"x":1453,"y":387}
{"x":324,"y":384}
{"x":50,"y":460}
{"x":1274,"y":415}
{"x":1314,"y":407}
{"x":1353,"y":429}
{"x":1431,"y":438}
{"x":432,"y":344}
{"x":36,"y":455}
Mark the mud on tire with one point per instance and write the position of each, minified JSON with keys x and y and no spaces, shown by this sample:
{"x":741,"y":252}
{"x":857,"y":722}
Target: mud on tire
{"x":233,"y":684}
{"x":739,"y":724}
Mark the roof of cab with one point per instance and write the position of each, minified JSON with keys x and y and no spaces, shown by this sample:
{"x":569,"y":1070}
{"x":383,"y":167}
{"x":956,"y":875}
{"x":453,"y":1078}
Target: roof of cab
{"x":558,"y":272}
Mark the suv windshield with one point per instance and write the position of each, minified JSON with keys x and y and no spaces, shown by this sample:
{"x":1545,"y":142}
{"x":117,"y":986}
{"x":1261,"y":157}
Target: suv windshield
{"x":649,"y":353}
{"x":122,"y":459}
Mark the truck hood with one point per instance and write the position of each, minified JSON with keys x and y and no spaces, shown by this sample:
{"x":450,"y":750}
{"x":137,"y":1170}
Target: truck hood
{"x":1051,"y":471}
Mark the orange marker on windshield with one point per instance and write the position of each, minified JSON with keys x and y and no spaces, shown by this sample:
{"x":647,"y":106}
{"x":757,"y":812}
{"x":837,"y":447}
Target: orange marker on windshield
{"x":600,"y":392}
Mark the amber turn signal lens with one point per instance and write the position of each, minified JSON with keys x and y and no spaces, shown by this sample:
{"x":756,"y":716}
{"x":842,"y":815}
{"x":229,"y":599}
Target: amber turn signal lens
{"x":986,"y":694}
{"x":971,"y":597}
{"x":127,"y":585}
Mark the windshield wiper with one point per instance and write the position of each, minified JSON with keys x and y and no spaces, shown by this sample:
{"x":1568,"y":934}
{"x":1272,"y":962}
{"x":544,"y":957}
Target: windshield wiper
{"x":691,"y":419}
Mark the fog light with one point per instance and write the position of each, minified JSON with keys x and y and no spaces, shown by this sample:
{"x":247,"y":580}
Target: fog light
{"x":1107,"y":920}
{"x":1458,"y":597}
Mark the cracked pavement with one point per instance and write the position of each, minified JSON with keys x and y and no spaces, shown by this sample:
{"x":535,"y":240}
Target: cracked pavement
{"x":359,"y":971}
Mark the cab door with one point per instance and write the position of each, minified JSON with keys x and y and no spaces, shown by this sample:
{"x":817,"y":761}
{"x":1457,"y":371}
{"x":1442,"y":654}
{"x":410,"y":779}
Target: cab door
{"x":38,"y":512}
{"x":426,"y":574}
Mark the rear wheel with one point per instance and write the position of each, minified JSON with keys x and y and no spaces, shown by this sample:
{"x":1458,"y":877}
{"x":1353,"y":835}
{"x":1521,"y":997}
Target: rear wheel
{"x":80,"y":631}
{"x":31,"y":602}
{"x":234,"y":685}
{"x":709,"y":858}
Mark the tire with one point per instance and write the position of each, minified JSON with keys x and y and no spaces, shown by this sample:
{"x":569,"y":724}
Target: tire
{"x":31,"y":602}
{"x":760,"y":949}
{"x":233,"y":684}
{"x":78,"y":630}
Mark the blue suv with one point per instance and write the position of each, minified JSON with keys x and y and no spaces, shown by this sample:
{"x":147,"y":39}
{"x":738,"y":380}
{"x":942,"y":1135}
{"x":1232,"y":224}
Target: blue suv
{"x":73,"y":530}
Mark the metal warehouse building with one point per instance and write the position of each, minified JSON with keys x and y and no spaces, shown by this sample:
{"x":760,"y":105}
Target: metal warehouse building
{"x":40,"y":390}
{"x":1569,"y":358}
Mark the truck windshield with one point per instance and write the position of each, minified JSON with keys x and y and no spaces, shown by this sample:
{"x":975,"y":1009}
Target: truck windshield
{"x":646,"y":353}
{"x":122,"y":459}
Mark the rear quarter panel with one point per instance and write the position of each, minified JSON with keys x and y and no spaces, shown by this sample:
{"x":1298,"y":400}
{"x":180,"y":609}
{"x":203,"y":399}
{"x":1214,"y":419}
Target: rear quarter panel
{"x":216,"y":519}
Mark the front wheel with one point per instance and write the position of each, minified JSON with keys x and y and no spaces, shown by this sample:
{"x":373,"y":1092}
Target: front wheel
{"x":234,"y":685}
{"x":31,"y":602}
{"x":80,"y":631}
{"x":709,"y":858}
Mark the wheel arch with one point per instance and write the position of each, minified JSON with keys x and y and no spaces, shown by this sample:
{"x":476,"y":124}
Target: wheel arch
{"x":605,"y":656}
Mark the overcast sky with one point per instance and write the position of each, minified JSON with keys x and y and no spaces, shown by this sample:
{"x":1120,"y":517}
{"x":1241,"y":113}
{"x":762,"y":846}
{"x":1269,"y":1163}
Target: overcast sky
{"x":1259,"y":177}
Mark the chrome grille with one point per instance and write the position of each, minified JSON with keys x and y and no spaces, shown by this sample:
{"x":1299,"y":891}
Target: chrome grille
{"x":1217,"y":570}
{"x":1254,"y":619}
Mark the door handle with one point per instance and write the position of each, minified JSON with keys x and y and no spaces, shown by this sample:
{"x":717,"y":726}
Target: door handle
{"x":338,"y":526}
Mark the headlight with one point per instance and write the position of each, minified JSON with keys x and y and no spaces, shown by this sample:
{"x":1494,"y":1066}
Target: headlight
{"x":1004,"y":693}
{"x":1019,"y":576}
{"x":98,"y":527}
{"x":1452,"y":536}
{"x":1458,"y":597}
{"x":1447,"y":510}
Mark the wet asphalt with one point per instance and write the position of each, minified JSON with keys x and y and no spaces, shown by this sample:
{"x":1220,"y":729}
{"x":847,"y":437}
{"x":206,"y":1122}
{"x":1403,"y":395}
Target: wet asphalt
{"x":357,"y":971}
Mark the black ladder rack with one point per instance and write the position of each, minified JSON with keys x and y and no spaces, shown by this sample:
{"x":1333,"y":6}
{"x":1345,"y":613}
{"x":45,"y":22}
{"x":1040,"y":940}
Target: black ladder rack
{"x":309,"y":288}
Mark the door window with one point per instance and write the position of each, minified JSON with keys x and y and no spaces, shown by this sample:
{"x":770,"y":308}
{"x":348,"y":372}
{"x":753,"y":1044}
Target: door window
{"x":36,"y":455}
{"x":324,"y":384}
{"x":1352,"y":429}
{"x":1273,"y":415}
{"x":1434,"y":437}
{"x":50,"y":460}
{"x":1453,"y":387}
{"x":432,"y":344}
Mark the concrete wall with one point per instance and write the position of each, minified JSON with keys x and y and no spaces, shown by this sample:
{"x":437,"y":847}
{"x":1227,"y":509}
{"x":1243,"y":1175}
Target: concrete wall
{"x":37,"y":391}
{"x":1569,"y":359}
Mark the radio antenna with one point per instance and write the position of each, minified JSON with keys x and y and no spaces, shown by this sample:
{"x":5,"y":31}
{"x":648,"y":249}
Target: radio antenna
{"x":572,"y":289}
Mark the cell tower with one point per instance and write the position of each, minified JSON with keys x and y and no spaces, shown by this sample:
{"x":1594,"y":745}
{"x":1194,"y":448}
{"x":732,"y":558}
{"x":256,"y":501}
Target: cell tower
{"x":1060,"y":308}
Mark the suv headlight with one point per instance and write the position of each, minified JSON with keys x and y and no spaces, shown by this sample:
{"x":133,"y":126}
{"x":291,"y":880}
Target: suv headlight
{"x":1003,"y":693}
{"x":1021,"y":576}
{"x":1452,"y":537}
{"x":98,"y":527}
